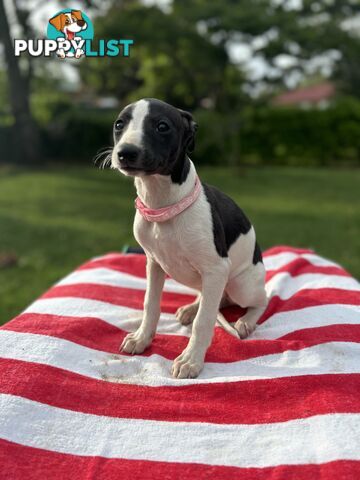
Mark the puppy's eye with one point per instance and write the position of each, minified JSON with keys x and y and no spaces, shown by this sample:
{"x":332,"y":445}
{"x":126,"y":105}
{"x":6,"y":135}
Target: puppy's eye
{"x":162,"y":127}
{"x":119,"y":125}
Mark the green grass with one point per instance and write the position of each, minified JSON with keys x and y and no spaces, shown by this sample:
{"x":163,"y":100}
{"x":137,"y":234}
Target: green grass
{"x":55,"y":218}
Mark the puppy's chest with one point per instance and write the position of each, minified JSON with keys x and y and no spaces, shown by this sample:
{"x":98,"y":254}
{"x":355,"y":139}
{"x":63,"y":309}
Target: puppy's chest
{"x":170,"y":246}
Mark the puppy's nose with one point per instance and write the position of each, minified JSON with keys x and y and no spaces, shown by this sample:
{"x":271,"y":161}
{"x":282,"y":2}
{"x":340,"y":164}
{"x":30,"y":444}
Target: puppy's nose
{"x":81,"y":23}
{"x":128,"y":153}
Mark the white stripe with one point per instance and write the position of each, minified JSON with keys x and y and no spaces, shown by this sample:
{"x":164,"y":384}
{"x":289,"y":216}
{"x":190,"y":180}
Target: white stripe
{"x":313,"y":440}
{"x":281,"y":284}
{"x":129,"y":319}
{"x":285,"y":286}
{"x":283,"y":323}
{"x":273,"y":262}
{"x":332,"y":357}
{"x":106,"y":276}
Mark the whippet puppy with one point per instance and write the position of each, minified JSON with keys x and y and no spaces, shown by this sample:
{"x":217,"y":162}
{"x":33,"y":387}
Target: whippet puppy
{"x":188,"y":230}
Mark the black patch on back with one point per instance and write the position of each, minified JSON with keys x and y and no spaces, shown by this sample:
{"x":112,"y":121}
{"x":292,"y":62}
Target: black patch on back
{"x":229,"y":221}
{"x":257,"y":257}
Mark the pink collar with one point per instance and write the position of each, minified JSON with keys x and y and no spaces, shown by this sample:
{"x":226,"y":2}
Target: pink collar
{"x":166,"y":213}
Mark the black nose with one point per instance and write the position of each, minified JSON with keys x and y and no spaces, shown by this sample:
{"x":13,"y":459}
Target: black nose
{"x":81,"y":23}
{"x":128,"y":153}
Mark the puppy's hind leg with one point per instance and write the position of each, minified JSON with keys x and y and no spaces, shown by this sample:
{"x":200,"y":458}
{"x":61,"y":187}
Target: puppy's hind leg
{"x":248,"y":291}
{"x":187,"y":313}
{"x":246,"y":324}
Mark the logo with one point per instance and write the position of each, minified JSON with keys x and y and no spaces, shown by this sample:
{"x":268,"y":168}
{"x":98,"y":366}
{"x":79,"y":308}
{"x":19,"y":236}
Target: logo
{"x":71,"y":35}
{"x":70,"y":29}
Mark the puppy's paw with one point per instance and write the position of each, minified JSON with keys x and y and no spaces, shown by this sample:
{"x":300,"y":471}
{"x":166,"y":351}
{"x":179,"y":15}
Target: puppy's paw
{"x":135,"y":342}
{"x":79,"y":53}
{"x":187,"y":313}
{"x":187,"y":365}
{"x":244,"y":328}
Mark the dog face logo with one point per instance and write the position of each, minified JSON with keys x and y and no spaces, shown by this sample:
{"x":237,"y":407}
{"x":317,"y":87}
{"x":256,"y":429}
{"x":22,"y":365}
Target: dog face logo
{"x":70,"y":33}
{"x":70,"y":28}
{"x":69,"y":23}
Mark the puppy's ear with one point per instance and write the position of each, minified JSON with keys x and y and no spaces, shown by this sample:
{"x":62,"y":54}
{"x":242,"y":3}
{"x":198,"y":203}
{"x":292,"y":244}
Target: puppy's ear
{"x":58,"y":22}
{"x":190,"y":129}
{"x":77,"y":14}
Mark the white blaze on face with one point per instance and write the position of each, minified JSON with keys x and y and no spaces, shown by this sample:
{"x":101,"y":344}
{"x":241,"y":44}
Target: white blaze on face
{"x":72,"y":26}
{"x":134,"y":132}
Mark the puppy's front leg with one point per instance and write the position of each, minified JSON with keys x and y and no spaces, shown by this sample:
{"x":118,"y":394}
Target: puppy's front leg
{"x":190,"y":363}
{"x":137,"y":342}
{"x":61,"y":53}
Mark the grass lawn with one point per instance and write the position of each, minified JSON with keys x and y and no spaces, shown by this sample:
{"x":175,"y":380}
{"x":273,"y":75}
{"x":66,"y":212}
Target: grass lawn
{"x":55,"y":218}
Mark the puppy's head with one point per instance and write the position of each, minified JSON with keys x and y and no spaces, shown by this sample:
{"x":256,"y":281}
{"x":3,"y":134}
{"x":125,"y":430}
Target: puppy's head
{"x":69,"y":23}
{"x":76,"y":21}
{"x":152,"y":137}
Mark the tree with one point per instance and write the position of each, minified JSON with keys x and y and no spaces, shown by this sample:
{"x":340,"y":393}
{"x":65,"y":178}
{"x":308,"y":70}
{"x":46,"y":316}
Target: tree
{"x":298,"y":30}
{"x":27,"y":144}
{"x":170,"y":60}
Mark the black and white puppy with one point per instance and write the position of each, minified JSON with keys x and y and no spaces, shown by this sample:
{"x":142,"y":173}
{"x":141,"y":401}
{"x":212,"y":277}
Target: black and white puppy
{"x":209,"y":246}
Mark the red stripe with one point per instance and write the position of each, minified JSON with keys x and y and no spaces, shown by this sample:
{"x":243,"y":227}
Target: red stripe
{"x":301,"y":266}
{"x":98,"y":335}
{"x":309,"y":298}
{"x":132,"y":264}
{"x":125,"y":297}
{"x":285,"y":249}
{"x":135,"y":264}
{"x":19,"y":462}
{"x":245,"y":402}
{"x":331,"y":333}
{"x":134,"y":298}
{"x":302,"y":299}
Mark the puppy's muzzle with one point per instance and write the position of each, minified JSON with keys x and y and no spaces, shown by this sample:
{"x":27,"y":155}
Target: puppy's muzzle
{"x":128,"y":156}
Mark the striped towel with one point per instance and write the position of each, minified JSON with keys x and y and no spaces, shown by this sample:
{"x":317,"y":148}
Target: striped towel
{"x":283,"y":404}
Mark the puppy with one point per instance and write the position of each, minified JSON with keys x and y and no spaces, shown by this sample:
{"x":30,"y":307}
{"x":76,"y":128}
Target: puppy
{"x":69,"y":24}
{"x":188,"y":230}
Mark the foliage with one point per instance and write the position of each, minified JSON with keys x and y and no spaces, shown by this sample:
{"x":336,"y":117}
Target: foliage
{"x":181,"y":56}
{"x":251,"y":135}
{"x":289,"y":136}
{"x":283,"y":136}
{"x":170,"y":60}
{"x":4,"y":104}
{"x":302,"y":31}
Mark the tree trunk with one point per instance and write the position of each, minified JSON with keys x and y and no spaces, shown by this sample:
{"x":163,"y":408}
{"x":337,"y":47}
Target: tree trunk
{"x":27,"y":143}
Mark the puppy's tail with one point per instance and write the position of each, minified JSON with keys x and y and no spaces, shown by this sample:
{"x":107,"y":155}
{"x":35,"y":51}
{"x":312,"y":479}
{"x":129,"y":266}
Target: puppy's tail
{"x":221,"y":320}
